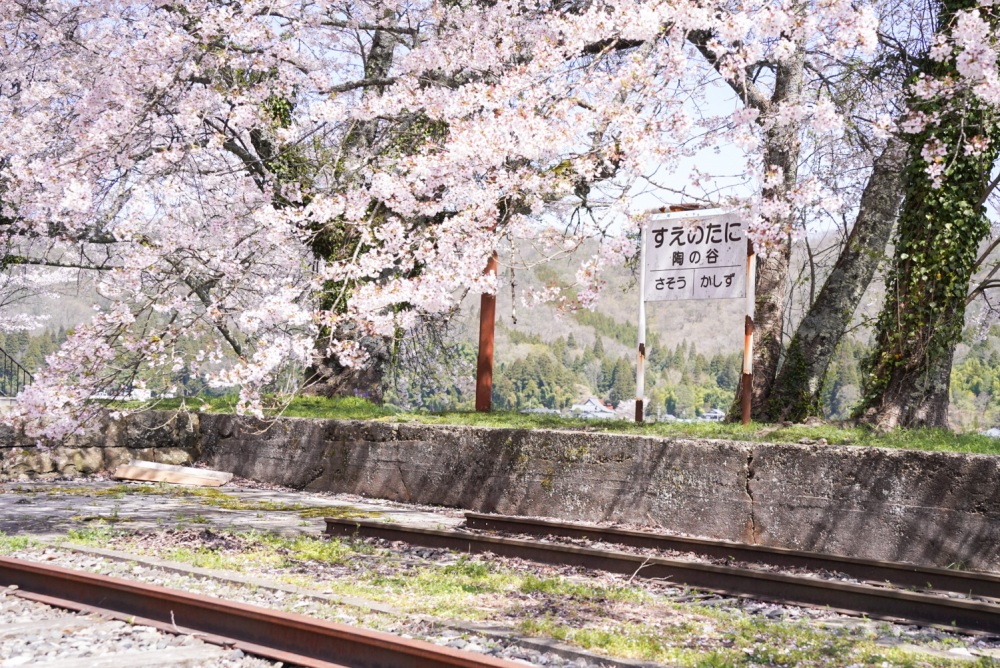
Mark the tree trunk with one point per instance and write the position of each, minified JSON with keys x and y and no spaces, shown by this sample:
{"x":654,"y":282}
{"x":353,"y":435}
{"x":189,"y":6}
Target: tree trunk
{"x":769,"y":324}
{"x":796,"y":392}
{"x":915,"y":396}
{"x":906,"y":383}
{"x":781,"y":153}
{"x":327,"y":376}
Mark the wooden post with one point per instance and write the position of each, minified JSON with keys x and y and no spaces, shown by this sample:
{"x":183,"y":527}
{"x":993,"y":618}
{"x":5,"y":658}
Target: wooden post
{"x":487,"y":325}
{"x":747,"y":391}
{"x":640,"y":371}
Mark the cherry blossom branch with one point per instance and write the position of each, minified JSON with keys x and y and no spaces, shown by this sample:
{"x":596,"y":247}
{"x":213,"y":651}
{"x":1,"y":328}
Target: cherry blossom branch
{"x":751,"y":95}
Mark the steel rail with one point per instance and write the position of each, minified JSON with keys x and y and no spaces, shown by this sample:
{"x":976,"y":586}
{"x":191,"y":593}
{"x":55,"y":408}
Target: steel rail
{"x":876,"y":602}
{"x":900,"y":574}
{"x":273,"y":634}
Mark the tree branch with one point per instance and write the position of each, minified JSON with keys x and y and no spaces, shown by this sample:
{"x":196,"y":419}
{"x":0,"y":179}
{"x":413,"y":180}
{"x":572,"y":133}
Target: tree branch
{"x":752,"y":95}
{"x":362,"y":83}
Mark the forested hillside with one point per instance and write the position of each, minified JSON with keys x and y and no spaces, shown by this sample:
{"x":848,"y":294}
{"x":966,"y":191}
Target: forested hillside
{"x":30,"y":350}
{"x":550,"y":359}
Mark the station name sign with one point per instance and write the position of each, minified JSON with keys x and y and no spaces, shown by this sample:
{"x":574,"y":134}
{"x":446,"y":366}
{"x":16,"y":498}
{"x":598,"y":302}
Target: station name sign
{"x":689,"y":257}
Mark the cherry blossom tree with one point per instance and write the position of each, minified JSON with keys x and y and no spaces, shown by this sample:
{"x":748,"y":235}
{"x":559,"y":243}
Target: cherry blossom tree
{"x":287,"y":173}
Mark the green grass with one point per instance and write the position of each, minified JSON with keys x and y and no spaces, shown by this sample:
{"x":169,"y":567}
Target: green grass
{"x":258,"y":550}
{"x":346,"y":408}
{"x":9,"y":544}
{"x":360,"y":409}
{"x":733,"y":641}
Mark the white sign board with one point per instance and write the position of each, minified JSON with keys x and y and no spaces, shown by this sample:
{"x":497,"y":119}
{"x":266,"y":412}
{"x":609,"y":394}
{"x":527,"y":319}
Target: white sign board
{"x":695,"y":255}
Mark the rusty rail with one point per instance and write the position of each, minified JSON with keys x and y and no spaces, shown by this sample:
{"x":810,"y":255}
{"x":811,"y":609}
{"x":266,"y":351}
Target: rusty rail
{"x":900,"y":574}
{"x":877,"y":602}
{"x":281,"y":636}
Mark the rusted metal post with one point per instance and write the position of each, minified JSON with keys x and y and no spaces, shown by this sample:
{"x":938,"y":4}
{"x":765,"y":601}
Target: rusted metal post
{"x":640,"y":370}
{"x":747,"y":390}
{"x":487,"y":325}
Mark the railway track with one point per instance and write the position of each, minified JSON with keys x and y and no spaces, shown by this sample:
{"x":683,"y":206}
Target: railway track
{"x":876,"y":601}
{"x":33,"y":634}
{"x":896,"y":573}
{"x":271,"y":634}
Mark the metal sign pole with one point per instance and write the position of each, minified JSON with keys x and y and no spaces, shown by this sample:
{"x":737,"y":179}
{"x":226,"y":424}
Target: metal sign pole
{"x":640,"y":372}
{"x":747,"y":391}
{"x":487,"y":323}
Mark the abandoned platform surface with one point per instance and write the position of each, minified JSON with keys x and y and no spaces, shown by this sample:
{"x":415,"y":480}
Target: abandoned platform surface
{"x":51,"y":509}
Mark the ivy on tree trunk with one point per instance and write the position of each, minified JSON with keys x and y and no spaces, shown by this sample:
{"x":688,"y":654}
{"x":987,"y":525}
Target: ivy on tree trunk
{"x":907,"y":376}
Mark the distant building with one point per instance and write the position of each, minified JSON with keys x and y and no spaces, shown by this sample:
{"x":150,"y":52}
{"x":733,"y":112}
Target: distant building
{"x":541,"y":411}
{"x":133,"y":394}
{"x":714,"y":415}
{"x":592,"y":408}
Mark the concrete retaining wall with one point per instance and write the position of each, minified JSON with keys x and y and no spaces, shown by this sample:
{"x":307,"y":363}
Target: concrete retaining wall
{"x":158,"y":436}
{"x":930,"y":508}
{"x":927,"y":507}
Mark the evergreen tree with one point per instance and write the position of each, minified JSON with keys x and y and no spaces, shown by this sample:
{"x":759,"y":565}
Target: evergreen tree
{"x":623,"y":382}
{"x":607,"y":376}
{"x":598,"y":348}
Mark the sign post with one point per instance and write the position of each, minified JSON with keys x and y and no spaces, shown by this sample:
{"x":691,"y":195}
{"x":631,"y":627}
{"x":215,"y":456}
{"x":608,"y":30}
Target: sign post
{"x":747,"y":390}
{"x":487,"y":324}
{"x":640,"y":372}
{"x":699,"y":254}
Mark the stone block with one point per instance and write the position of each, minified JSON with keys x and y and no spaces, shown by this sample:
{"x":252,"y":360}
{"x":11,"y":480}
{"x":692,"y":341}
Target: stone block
{"x":173,"y":456}
{"x":26,"y":462}
{"x":360,"y":430}
{"x":286,"y":451}
{"x":9,"y":438}
{"x":692,"y":486}
{"x":160,"y":429}
{"x":115,"y":457}
{"x":73,"y":461}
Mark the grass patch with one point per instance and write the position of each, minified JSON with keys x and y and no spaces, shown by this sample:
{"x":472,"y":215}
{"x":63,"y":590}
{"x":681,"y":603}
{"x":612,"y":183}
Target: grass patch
{"x":250,"y":550}
{"x":736,"y":641}
{"x":9,"y":544}
{"x":216,"y":498}
{"x":346,"y":408}
{"x":352,"y":408}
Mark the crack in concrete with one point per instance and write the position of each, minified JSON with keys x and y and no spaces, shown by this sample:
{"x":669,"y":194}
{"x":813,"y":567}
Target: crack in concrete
{"x":402,"y":481}
{"x":753,"y":517}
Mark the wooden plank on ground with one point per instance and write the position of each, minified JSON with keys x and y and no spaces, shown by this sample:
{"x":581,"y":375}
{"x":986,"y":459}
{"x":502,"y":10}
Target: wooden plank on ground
{"x":206,"y":473}
{"x":178,"y":475}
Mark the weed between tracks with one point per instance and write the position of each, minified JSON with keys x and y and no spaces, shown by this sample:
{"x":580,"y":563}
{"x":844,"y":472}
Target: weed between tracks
{"x":603,"y":613}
